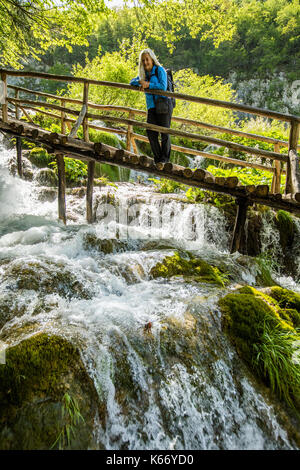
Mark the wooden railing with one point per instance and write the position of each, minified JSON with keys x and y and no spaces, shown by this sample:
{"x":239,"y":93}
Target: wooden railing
{"x":283,"y":163}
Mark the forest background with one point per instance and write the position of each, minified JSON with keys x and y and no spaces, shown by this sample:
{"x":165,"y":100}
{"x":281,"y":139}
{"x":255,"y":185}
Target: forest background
{"x":233,"y":50}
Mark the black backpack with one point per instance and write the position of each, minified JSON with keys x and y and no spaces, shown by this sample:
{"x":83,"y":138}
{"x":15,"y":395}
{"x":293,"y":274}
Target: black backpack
{"x":170,"y":86}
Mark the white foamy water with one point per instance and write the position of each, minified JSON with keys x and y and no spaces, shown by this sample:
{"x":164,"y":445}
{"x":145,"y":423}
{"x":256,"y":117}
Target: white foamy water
{"x":57,"y":279}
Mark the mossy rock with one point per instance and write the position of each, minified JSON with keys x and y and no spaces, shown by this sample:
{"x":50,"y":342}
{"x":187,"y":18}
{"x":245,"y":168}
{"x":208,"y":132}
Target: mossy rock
{"x":45,"y":276}
{"x":38,"y":372}
{"x":47,"y":177}
{"x":286,"y":298}
{"x":40,"y":157}
{"x":263,"y":334}
{"x":106,"y":246}
{"x":191,"y":268}
{"x":286,"y":227}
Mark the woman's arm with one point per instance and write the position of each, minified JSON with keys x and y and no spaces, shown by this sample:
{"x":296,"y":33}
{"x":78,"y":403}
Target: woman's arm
{"x":135,"y":81}
{"x":159,"y":82}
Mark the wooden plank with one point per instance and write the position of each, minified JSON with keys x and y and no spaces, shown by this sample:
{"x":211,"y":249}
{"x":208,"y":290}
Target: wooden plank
{"x":85,"y":123}
{"x":129,"y":132}
{"x":276,"y":180}
{"x":4,"y":96}
{"x":61,"y":188}
{"x":292,"y":185}
{"x":19,"y":156}
{"x":17,"y":107}
{"x":79,"y":121}
{"x":63,"y":117}
{"x":44,"y":104}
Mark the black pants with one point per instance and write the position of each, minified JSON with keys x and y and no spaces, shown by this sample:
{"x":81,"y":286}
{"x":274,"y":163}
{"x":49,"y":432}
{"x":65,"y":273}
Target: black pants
{"x":161,"y":151}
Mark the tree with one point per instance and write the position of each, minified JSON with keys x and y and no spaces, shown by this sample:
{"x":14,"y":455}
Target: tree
{"x":30,"y":27}
{"x":168,"y":20}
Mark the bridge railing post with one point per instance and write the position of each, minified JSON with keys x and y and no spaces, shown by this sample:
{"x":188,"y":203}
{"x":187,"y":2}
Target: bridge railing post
{"x":292,"y":185}
{"x":4,"y":97}
{"x":63,"y":117}
{"x":91,"y":164}
{"x":85,"y":123}
{"x":276,"y":180}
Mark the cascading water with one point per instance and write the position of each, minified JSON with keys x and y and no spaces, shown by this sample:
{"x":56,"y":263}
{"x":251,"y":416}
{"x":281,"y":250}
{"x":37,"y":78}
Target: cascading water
{"x":180,"y":385}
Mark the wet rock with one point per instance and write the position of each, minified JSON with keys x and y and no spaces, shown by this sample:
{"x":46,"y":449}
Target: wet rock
{"x":27,"y":170}
{"x":191,"y":268}
{"x":46,"y":177}
{"x":47,"y":277}
{"x":47,"y":194}
{"x":263,"y":332}
{"x":109,"y":245}
{"x":46,"y":393}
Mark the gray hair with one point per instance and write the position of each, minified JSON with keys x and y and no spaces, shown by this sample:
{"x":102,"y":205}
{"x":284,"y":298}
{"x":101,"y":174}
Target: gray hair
{"x":142,"y":73}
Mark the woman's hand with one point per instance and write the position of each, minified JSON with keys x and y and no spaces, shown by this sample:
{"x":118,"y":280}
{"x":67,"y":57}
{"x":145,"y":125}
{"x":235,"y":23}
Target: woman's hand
{"x":144,"y":84}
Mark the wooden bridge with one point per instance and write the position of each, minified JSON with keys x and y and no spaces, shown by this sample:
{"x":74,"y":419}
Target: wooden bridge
{"x":67,"y":145}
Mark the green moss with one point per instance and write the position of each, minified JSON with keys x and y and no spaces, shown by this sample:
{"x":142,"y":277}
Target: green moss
{"x":196,"y":268}
{"x":38,"y":374}
{"x":105,"y":138}
{"x":286,"y":228}
{"x":40,"y":157}
{"x":286,"y":298}
{"x":34,"y":365}
{"x":263,"y":334}
{"x":243,"y":321}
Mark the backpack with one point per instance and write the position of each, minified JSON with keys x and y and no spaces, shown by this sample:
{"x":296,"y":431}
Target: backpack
{"x":170,"y":86}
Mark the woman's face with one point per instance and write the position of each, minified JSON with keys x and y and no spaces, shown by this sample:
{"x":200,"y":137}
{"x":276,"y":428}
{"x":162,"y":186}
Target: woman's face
{"x":147,"y":62}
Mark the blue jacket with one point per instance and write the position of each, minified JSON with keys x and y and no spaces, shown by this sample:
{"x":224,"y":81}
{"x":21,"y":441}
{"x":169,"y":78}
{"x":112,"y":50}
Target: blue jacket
{"x":155,"y":83}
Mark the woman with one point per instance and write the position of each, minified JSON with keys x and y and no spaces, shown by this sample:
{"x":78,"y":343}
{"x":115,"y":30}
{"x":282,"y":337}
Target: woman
{"x":153,"y":76}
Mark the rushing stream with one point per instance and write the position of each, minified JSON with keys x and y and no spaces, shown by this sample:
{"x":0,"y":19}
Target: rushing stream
{"x":180,"y":385}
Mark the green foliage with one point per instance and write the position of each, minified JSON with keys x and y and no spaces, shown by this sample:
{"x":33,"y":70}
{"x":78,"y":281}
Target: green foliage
{"x":169,"y":21}
{"x":273,"y":361}
{"x":165,"y":185}
{"x":190,"y":83}
{"x":30,"y":27}
{"x":71,"y":417}
{"x":245,"y":175}
{"x":265,"y":337}
{"x":40,"y":157}
{"x":268,"y":264}
{"x":75,"y":170}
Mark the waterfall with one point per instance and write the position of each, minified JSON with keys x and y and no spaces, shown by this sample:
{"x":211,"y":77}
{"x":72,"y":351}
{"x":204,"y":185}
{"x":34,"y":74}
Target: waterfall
{"x":179,"y":386}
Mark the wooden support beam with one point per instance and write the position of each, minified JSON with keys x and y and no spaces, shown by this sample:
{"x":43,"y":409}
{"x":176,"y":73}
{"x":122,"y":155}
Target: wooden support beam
{"x":19,"y":156}
{"x":85,"y":123}
{"x":292,"y":185}
{"x":63,"y":117}
{"x":276,"y":180}
{"x":61,"y":188}
{"x":239,"y":227}
{"x":129,"y":132}
{"x":89,"y":192}
{"x":79,"y":121}
{"x":17,"y":111}
{"x":3,"y":96}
